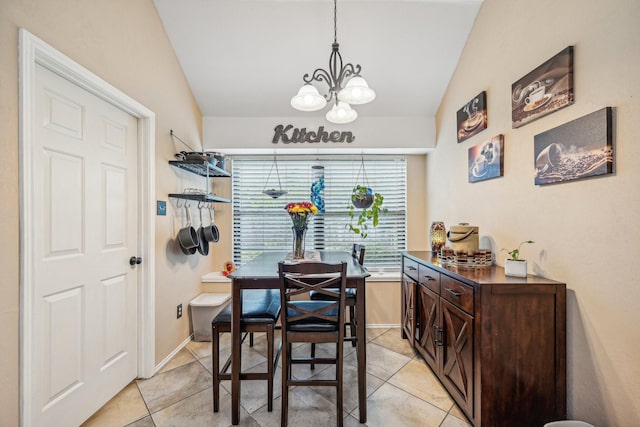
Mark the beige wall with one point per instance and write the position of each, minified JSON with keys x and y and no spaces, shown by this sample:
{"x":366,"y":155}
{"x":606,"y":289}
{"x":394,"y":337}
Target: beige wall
{"x":586,"y":232}
{"x":123,"y":42}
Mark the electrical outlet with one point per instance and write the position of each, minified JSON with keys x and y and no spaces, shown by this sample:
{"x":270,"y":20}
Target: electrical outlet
{"x":179,"y":311}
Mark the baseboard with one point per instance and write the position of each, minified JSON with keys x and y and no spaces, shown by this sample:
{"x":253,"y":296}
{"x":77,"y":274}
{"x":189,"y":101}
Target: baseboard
{"x":167,"y":359}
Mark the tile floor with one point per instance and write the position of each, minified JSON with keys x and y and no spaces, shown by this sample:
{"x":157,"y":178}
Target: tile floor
{"x":401,"y":391}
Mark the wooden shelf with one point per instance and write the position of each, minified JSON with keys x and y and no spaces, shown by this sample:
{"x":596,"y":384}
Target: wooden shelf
{"x":206,"y":198}
{"x":200,"y":167}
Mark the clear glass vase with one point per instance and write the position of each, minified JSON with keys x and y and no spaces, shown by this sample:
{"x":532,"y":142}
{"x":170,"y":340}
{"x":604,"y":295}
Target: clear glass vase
{"x":298,"y":242}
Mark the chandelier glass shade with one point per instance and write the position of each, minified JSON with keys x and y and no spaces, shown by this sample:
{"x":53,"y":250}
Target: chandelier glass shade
{"x":346,"y":86}
{"x":308,"y":99}
{"x":341,"y":113}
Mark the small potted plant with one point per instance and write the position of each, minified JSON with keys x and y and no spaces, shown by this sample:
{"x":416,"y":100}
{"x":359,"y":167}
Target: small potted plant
{"x":515,"y":266}
{"x":371,"y":204}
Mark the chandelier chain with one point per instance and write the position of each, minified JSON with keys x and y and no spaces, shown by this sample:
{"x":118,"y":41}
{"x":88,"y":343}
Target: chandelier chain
{"x":335,"y":21}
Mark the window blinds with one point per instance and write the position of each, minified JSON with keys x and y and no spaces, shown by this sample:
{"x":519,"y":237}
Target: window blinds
{"x":260,"y":223}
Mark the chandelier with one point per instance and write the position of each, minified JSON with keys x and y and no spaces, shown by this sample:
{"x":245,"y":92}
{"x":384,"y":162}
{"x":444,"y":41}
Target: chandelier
{"x":355,"y":92}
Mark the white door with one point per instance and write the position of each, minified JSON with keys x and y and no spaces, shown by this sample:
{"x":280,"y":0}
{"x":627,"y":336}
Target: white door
{"x":84,"y":346}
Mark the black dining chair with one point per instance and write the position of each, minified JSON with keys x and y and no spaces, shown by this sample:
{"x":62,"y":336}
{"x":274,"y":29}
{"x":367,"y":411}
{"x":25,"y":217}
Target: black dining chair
{"x":260,"y":312}
{"x":357,"y":252}
{"x":312,"y":321}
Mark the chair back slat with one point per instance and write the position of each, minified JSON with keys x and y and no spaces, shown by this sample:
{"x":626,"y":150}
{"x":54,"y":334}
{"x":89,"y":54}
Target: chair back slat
{"x":358,"y":253}
{"x":296,"y":283}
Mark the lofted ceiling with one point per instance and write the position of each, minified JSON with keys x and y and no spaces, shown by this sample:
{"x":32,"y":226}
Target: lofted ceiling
{"x":246,"y":58}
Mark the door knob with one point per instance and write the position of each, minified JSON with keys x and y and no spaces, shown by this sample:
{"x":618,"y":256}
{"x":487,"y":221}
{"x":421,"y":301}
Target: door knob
{"x":135,"y":260}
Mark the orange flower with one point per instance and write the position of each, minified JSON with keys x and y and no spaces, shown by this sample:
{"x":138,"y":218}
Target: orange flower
{"x":300,"y":213}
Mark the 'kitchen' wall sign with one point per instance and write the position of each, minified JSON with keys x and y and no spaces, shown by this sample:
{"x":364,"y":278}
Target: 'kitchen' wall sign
{"x":290,"y":135}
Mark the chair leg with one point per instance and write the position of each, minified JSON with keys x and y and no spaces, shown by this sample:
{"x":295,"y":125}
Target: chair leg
{"x":313,"y":355}
{"x":339,"y":373}
{"x":352,"y":323}
{"x":270,"y":367}
{"x":284,"y":398}
{"x":250,"y":339}
{"x":215,"y":357}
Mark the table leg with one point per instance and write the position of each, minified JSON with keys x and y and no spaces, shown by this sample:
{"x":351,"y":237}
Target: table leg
{"x":236,"y":351}
{"x":361,"y":331}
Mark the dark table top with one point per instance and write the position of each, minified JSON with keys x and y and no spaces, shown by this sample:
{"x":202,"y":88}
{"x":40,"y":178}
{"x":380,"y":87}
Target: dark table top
{"x":265,"y":265}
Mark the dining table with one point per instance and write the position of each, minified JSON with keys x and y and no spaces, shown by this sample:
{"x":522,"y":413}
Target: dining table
{"x":262,"y":273}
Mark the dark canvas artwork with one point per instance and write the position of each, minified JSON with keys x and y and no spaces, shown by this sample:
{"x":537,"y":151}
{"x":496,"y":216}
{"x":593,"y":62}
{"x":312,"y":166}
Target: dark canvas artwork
{"x":544,"y":90}
{"x":472,"y":118}
{"x":578,"y":149}
{"x":486,"y":160}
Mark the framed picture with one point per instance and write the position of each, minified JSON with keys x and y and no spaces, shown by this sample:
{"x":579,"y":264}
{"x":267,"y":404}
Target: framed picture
{"x":472,"y":118}
{"x":579,"y":149}
{"x":486,"y":160}
{"x":544,"y":90}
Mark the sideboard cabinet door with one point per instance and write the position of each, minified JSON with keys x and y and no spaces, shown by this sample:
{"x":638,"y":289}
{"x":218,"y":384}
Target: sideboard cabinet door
{"x":408,"y":309}
{"x":429,"y":335}
{"x":457,"y":354}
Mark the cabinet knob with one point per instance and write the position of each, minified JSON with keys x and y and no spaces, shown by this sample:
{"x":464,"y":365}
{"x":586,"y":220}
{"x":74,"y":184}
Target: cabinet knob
{"x":135,"y":260}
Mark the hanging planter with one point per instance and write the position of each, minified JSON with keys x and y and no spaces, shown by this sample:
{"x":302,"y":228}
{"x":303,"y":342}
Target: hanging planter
{"x":363,"y":197}
{"x":273,"y":192}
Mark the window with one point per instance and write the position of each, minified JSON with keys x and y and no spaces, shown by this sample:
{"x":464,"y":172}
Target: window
{"x":261,"y":223}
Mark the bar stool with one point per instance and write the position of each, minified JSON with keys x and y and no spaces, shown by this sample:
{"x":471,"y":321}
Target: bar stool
{"x":260,"y":312}
{"x":307,"y":321}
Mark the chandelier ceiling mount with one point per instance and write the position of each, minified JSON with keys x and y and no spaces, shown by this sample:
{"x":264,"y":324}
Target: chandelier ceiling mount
{"x":355,"y":92}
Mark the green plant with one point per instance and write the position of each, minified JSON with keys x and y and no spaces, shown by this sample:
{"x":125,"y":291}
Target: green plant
{"x":515,"y":253}
{"x":371,"y":213}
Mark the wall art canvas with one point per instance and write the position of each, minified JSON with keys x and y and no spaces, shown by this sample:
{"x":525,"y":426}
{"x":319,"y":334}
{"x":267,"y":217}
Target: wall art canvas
{"x":486,"y":159}
{"x":578,"y":149}
{"x":544,"y":90}
{"x":472,"y":118}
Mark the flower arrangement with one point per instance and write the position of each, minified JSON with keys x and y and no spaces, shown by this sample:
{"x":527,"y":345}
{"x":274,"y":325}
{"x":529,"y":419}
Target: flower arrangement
{"x":300,"y":213}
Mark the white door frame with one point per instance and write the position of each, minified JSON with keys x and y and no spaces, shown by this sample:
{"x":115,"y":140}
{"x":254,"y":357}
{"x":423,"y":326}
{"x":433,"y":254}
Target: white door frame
{"x":34,"y":51}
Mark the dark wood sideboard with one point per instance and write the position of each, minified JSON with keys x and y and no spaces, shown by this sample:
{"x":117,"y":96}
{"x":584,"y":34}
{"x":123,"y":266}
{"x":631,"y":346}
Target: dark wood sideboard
{"x":497,"y":343}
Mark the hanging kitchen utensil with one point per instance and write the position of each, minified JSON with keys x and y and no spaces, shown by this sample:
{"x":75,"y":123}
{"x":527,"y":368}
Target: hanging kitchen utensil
{"x":203,"y":246}
{"x":188,"y":236}
{"x":212,"y":232}
{"x":272,"y":192}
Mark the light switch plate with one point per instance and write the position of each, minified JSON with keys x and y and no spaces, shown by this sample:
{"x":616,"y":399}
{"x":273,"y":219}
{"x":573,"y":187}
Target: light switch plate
{"x":161,"y":207}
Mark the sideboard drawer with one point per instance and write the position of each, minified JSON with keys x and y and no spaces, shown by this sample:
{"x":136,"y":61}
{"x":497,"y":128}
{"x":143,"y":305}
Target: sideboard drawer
{"x":411,"y":269}
{"x":457,"y":293}
{"x":430,"y":278}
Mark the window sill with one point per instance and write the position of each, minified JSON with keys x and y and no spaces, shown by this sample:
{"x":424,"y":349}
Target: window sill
{"x":215,"y":277}
{"x":384,"y":276}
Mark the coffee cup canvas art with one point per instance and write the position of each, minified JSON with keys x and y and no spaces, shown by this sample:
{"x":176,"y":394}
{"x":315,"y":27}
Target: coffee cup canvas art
{"x":581,"y":148}
{"x":544,"y":90}
{"x":472,"y":118}
{"x":486,"y":160}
